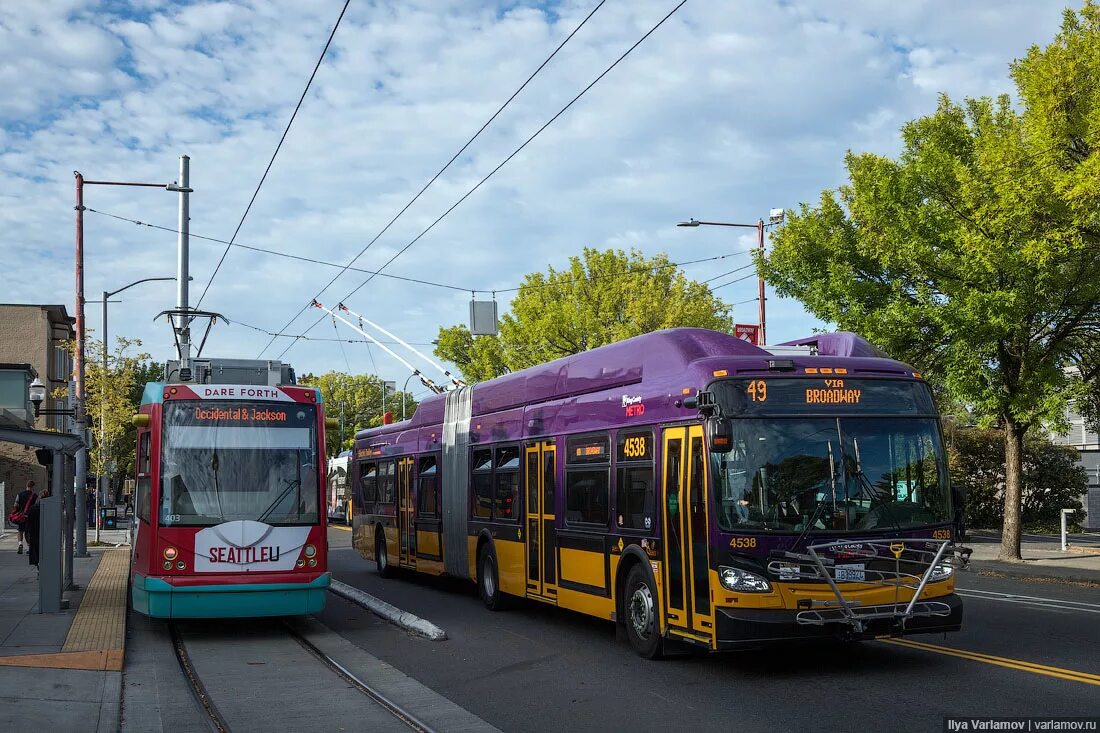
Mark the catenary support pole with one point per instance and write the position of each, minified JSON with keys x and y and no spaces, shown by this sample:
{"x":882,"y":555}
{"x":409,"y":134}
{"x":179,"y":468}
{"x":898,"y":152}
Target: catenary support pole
{"x":182,"y":257}
{"x":79,"y":413}
{"x":762,"y":339}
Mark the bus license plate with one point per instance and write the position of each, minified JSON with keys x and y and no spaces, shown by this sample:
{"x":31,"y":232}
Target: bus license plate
{"x":850,"y":572}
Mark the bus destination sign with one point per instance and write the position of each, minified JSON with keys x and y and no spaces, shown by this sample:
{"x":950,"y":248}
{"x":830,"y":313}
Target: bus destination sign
{"x":792,"y":395}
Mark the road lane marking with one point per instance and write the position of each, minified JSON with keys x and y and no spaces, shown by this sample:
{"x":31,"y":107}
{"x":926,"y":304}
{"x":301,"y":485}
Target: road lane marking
{"x":340,"y":527}
{"x":1034,"y":601}
{"x":1017,"y":664}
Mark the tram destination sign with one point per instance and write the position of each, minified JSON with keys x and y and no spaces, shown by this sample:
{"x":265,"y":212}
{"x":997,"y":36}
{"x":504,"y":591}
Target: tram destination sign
{"x":829,"y":395}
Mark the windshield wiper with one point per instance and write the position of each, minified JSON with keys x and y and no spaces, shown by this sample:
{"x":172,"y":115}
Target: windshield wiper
{"x":875,"y":491}
{"x":290,"y":485}
{"x":217,"y":488}
{"x":817,"y":509}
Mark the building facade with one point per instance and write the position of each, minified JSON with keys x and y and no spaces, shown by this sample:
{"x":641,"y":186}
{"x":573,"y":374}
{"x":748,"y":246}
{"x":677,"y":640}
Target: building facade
{"x":37,"y":335}
{"x":1087,"y":442}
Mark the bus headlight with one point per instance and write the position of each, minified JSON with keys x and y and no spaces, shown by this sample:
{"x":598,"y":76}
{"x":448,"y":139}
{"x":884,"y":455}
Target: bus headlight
{"x":943,"y":571}
{"x":742,"y":581}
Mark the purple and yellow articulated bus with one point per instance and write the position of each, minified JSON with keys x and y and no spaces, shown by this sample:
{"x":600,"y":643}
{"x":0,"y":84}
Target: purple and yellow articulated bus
{"x":688,"y":485}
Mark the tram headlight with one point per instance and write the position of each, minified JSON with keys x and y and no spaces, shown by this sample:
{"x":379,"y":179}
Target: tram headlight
{"x":167,"y":564}
{"x":313,"y":562}
{"x":940,"y":572}
{"x":742,"y":581}
{"x":301,"y":563}
{"x":170,"y":553}
{"x":310,"y":550}
{"x":181,"y":565}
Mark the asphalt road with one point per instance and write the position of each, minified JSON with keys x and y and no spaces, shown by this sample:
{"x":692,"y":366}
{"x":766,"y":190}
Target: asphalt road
{"x":540,"y":668}
{"x":1075,"y":539}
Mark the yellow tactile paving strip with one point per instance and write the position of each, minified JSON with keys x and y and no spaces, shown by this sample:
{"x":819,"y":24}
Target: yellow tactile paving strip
{"x":96,"y":639}
{"x":100,"y":623}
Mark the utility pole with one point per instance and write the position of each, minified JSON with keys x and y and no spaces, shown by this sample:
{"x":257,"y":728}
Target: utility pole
{"x":183,"y":324}
{"x":761,"y":340}
{"x":79,"y":416}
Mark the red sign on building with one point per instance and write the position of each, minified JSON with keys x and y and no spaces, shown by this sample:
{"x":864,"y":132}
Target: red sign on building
{"x":747,"y":332}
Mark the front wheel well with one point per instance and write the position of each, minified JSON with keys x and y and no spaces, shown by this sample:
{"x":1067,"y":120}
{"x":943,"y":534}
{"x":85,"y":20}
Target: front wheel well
{"x":627,"y":564}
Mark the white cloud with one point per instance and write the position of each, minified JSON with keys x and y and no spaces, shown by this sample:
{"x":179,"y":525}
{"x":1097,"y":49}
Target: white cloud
{"x":729,"y":109}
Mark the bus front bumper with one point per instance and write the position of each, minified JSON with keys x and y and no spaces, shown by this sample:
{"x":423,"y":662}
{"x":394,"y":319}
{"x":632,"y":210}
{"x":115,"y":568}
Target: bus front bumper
{"x":745,"y":628}
{"x":158,"y":598}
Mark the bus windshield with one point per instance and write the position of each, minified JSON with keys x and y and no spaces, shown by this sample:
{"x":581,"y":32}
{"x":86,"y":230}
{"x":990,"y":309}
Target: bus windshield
{"x":832,"y":474}
{"x":226,"y":461}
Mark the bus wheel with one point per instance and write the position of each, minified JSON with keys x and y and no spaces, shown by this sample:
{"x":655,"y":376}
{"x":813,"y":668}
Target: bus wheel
{"x":640,"y":614}
{"x":488,"y":581}
{"x":381,"y":558}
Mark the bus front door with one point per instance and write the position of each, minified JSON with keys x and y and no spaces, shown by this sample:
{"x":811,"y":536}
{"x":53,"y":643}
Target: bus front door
{"x":686,"y":558}
{"x":541,"y":474}
{"x":406,"y":518}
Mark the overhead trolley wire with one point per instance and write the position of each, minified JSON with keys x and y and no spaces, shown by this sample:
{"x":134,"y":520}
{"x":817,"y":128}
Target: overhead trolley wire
{"x":440,"y":172}
{"x":421,"y":281}
{"x":500,"y":165}
{"x":271,"y":162}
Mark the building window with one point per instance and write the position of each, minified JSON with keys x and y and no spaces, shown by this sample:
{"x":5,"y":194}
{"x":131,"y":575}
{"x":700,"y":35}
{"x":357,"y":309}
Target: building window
{"x":587,"y":478}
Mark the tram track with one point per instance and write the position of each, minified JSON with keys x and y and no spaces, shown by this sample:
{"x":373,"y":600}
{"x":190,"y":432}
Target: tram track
{"x":219,"y":721}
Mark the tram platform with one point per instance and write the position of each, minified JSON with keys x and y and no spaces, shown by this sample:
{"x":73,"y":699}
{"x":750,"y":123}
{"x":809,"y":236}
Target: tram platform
{"x":62,"y":670}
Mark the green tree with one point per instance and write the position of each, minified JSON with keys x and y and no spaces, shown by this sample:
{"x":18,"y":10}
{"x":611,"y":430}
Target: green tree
{"x":973,"y":255}
{"x":602,"y":297}
{"x":358,"y":397}
{"x":1052,"y":478}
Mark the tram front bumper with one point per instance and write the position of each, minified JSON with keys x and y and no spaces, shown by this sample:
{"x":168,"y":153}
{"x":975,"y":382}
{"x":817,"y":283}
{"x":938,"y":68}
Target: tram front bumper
{"x":746,"y":628}
{"x":158,"y":598}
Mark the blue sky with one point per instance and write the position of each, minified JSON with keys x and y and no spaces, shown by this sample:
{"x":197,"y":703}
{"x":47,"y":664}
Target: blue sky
{"x":728,"y":110}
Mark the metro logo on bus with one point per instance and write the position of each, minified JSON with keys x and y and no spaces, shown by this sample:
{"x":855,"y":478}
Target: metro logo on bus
{"x":248,"y":545}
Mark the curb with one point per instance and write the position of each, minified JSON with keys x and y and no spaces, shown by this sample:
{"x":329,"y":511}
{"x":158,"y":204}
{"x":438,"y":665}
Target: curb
{"x":410,"y":622}
{"x":1030,"y":572}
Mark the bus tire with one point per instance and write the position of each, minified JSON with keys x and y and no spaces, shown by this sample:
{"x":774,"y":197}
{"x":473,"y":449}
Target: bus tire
{"x":640,"y":614}
{"x":488,"y":579}
{"x":381,"y":556}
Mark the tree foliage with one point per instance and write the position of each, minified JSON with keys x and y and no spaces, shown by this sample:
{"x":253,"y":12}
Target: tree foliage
{"x":603,"y":296}
{"x":1052,"y":478}
{"x":358,"y":397}
{"x":973,"y":255}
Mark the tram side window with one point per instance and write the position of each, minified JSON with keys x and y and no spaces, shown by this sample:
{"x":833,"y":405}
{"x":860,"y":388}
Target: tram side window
{"x":427,"y":494}
{"x":481,"y":481}
{"x":634,"y":498}
{"x":385,"y":482}
{"x":145,"y":481}
{"x":368,"y":482}
{"x":507,"y":483}
{"x":587,"y":478}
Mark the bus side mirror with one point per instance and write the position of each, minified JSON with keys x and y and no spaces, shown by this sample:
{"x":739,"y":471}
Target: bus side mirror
{"x":719,"y":434}
{"x":331,"y":423}
{"x":140,"y":420}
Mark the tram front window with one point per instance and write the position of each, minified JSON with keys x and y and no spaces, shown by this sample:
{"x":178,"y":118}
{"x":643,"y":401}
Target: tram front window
{"x":831,"y":474}
{"x":225,"y":461}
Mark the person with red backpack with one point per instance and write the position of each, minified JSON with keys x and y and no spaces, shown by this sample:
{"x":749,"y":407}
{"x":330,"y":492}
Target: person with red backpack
{"x":18,"y":515}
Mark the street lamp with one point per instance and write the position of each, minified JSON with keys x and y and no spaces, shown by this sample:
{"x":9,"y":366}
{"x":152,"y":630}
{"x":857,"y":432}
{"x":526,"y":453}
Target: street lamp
{"x":775,"y":216}
{"x":404,"y":392}
{"x":107,"y":295}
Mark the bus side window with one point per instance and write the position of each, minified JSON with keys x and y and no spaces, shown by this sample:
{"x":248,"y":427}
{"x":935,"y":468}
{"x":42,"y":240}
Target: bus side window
{"x":144,"y":482}
{"x":386,"y":482}
{"x":506,"y":482}
{"x":427,"y":499}
{"x":587,"y":479}
{"x":634,"y":480}
{"x":368,"y":482}
{"x":481,"y":483}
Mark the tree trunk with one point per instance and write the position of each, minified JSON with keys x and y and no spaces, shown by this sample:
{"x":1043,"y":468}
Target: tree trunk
{"x":1014,"y":449}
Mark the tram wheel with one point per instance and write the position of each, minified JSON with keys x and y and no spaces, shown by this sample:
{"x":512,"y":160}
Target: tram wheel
{"x":640,"y":614}
{"x":381,"y":557}
{"x":488,"y":580}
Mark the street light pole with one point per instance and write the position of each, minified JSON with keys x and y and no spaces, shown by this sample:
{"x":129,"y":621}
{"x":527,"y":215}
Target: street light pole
{"x":404,"y":391}
{"x":775,"y":217}
{"x":80,"y":418}
{"x":103,"y":483}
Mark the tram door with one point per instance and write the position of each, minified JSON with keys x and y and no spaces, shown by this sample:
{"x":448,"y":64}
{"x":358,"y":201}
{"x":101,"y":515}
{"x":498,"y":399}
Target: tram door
{"x":687,"y":568}
{"x":541,"y":476}
{"x":406,"y":518}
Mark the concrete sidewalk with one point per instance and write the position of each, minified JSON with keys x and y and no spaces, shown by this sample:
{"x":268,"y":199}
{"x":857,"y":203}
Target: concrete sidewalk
{"x":1041,"y":561}
{"x":49,"y":676}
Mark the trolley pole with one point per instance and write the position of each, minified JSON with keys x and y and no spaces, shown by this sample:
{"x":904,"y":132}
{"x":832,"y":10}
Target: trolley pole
{"x":79,"y":417}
